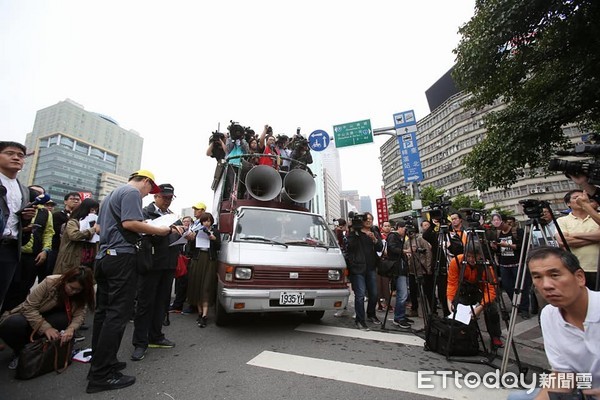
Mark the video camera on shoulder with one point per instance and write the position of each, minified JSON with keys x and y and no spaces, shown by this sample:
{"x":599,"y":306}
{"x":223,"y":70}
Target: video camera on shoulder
{"x":589,"y":168}
{"x":216,"y":136}
{"x":356,"y":220}
{"x":236,"y":131}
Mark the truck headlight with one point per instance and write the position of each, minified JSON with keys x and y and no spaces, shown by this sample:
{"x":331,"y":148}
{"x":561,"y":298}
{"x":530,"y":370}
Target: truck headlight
{"x":334,"y":275}
{"x":244,"y":273}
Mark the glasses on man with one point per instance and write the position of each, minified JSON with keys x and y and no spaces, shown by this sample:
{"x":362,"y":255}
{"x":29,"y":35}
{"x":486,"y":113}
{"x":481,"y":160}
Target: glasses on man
{"x":11,"y":154}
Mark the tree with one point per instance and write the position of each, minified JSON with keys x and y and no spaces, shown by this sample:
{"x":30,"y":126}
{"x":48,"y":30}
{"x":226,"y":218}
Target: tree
{"x":542,"y":58}
{"x":463,"y":201}
{"x":401,"y":202}
{"x":430,"y":195}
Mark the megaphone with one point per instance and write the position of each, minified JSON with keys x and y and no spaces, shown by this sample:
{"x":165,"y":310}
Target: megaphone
{"x":263,"y":182}
{"x":298,"y":186}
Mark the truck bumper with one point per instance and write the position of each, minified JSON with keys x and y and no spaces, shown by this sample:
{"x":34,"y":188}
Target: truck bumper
{"x":264,"y":300}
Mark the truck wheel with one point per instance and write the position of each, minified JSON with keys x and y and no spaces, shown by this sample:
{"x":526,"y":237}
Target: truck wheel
{"x":314,"y":316}
{"x":221,"y":316}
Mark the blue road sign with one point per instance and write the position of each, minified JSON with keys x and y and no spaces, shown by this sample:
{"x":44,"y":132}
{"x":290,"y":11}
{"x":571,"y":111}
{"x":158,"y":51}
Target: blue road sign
{"x":406,"y":132}
{"x":318,"y":140}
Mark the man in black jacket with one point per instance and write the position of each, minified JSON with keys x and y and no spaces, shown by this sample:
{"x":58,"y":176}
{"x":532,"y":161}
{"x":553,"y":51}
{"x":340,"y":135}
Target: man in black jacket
{"x":363,"y":245}
{"x":154,"y":285}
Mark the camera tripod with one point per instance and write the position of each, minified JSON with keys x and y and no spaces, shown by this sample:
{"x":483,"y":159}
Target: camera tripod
{"x":486,"y":288}
{"x":534,"y":225}
{"x":415,"y":264}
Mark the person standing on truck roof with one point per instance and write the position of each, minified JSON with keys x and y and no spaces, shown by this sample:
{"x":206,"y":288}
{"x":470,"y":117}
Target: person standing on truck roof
{"x":268,"y":147}
{"x":363,"y":245}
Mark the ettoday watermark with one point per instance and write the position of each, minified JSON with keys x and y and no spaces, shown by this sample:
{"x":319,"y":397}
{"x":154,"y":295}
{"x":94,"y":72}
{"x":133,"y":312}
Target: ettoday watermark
{"x":509,"y":380}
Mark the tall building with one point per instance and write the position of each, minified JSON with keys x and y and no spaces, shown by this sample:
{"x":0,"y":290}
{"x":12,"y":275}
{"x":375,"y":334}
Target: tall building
{"x":326,"y":166}
{"x":365,"y":204}
{"x":71,"y":149}
{"x":352,"y":197}
{"x":447,"y":135}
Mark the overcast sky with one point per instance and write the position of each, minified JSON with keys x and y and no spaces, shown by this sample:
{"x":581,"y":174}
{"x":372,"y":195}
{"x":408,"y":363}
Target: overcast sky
{"x":173,"y":71}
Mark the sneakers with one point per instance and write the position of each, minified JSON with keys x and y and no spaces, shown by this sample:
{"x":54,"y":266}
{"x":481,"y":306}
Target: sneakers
{"x":175,"y":310}
{"x":409,"y":321}
{"x":14,"y":363}
{"x":138,"y":354}
{"x":115,"y":381}
{"x":202,"y":321}
{"x":164,"y":343}
{"x":497,"y":342}
{"x":340,"y":313}
{"x":189,"y":310}
{"x":374,"y":320}
{"x":401,"y":323}
{"x":361,"y":325}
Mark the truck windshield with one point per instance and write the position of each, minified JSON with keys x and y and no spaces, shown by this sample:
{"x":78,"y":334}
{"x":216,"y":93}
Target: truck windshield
{"x":291,"y":228}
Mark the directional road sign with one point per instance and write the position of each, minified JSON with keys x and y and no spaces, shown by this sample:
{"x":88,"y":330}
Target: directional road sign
{"x":318,"y":140}
{"x":406,"y":132}
{"x":353,"y":133}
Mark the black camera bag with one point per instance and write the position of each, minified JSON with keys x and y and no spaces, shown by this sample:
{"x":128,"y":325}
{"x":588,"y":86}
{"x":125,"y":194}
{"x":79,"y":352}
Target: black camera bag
{"x":464,"y":337}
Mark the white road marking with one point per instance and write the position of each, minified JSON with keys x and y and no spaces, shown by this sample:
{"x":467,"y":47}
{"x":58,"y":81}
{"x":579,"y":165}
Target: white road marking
{"x":404,"y":338}
{"x":404,"y":381}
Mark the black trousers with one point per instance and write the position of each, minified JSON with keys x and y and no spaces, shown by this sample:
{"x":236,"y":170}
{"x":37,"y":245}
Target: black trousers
{"x":22,"y":281}
{"x":181,"y":284}
{"x":16,"y":330}
{"x":116,"y":277}
{"x":9,"y":260}
{"x":427,"y":282}
{"x":153,"y":294}
{"x":442,"y":287}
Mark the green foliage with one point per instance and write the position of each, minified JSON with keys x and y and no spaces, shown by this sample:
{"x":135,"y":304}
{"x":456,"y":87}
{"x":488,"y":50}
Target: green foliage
{"x":430,"y":194}
{"x":401,"y":202}
{"x":500,"y":210}
{"x":463,"y":201}
{"x":542,"y":58}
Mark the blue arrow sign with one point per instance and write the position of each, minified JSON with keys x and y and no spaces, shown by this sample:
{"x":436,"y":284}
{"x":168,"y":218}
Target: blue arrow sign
{"x":318,"y":140}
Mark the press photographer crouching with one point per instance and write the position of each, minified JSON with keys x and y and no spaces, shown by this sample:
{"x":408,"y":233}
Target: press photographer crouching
{"x":55,"y":309}
{"x":363,"y":244}
{"x":477,"y":289}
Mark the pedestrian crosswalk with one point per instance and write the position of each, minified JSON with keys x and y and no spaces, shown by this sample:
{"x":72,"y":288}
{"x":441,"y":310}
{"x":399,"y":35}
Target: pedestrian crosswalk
{"x":384,"y":378}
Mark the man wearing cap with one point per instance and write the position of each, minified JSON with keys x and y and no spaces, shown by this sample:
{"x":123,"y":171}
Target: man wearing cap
{"x":154,"y":286}
{"x":121,"y":220}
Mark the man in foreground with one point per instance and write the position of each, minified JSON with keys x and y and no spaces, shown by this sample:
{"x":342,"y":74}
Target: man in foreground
{"x":570,"y":322}
{"x":121,"y":221}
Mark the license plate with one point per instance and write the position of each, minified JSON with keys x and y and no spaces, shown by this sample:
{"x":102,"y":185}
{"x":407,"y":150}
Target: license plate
{"x":291,"y":299}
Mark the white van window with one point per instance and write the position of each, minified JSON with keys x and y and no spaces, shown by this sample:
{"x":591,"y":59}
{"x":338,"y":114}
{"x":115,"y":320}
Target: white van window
{"x":281,"y":226}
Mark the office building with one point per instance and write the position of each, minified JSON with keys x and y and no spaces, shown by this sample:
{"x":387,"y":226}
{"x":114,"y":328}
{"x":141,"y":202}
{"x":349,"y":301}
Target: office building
{"x":71,"y":149}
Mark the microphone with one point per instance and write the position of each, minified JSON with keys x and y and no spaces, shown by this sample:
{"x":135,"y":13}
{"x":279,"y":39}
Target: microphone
{"x":41,"y":199}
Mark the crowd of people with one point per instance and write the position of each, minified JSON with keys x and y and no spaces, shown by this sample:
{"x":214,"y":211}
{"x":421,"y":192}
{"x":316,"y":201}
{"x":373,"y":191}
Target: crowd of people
{"x":111,"y":245}
{"x":131,"y":262}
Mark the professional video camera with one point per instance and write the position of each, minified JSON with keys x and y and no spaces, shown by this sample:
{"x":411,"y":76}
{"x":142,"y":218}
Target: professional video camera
{"x":216,"y":136}
{"x":410,"y":224}
{"x":473,"y":216}
{"x":533,"y":208}
{"x":356,"y":220}
{"x":439,"y":210}
{"x":236,"y":131}
{"x":590,"y":168}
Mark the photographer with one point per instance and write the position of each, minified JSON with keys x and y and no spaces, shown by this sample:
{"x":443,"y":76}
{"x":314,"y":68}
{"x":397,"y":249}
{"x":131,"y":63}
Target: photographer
{"x":300,"y":152}
{"x":216,"y":146}
{"x":476,"y":289}
{"x":236,"y":147}
{"x":418,"y":252}
{"x":395,"y":252}
{"x":507,"y":246}
{"x":363,"y":245}
{"x":439,"y":260}
{"x":267,"y":146}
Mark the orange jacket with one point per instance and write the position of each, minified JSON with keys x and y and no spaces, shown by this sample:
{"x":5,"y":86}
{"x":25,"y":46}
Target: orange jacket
{"x":488,"y":289}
